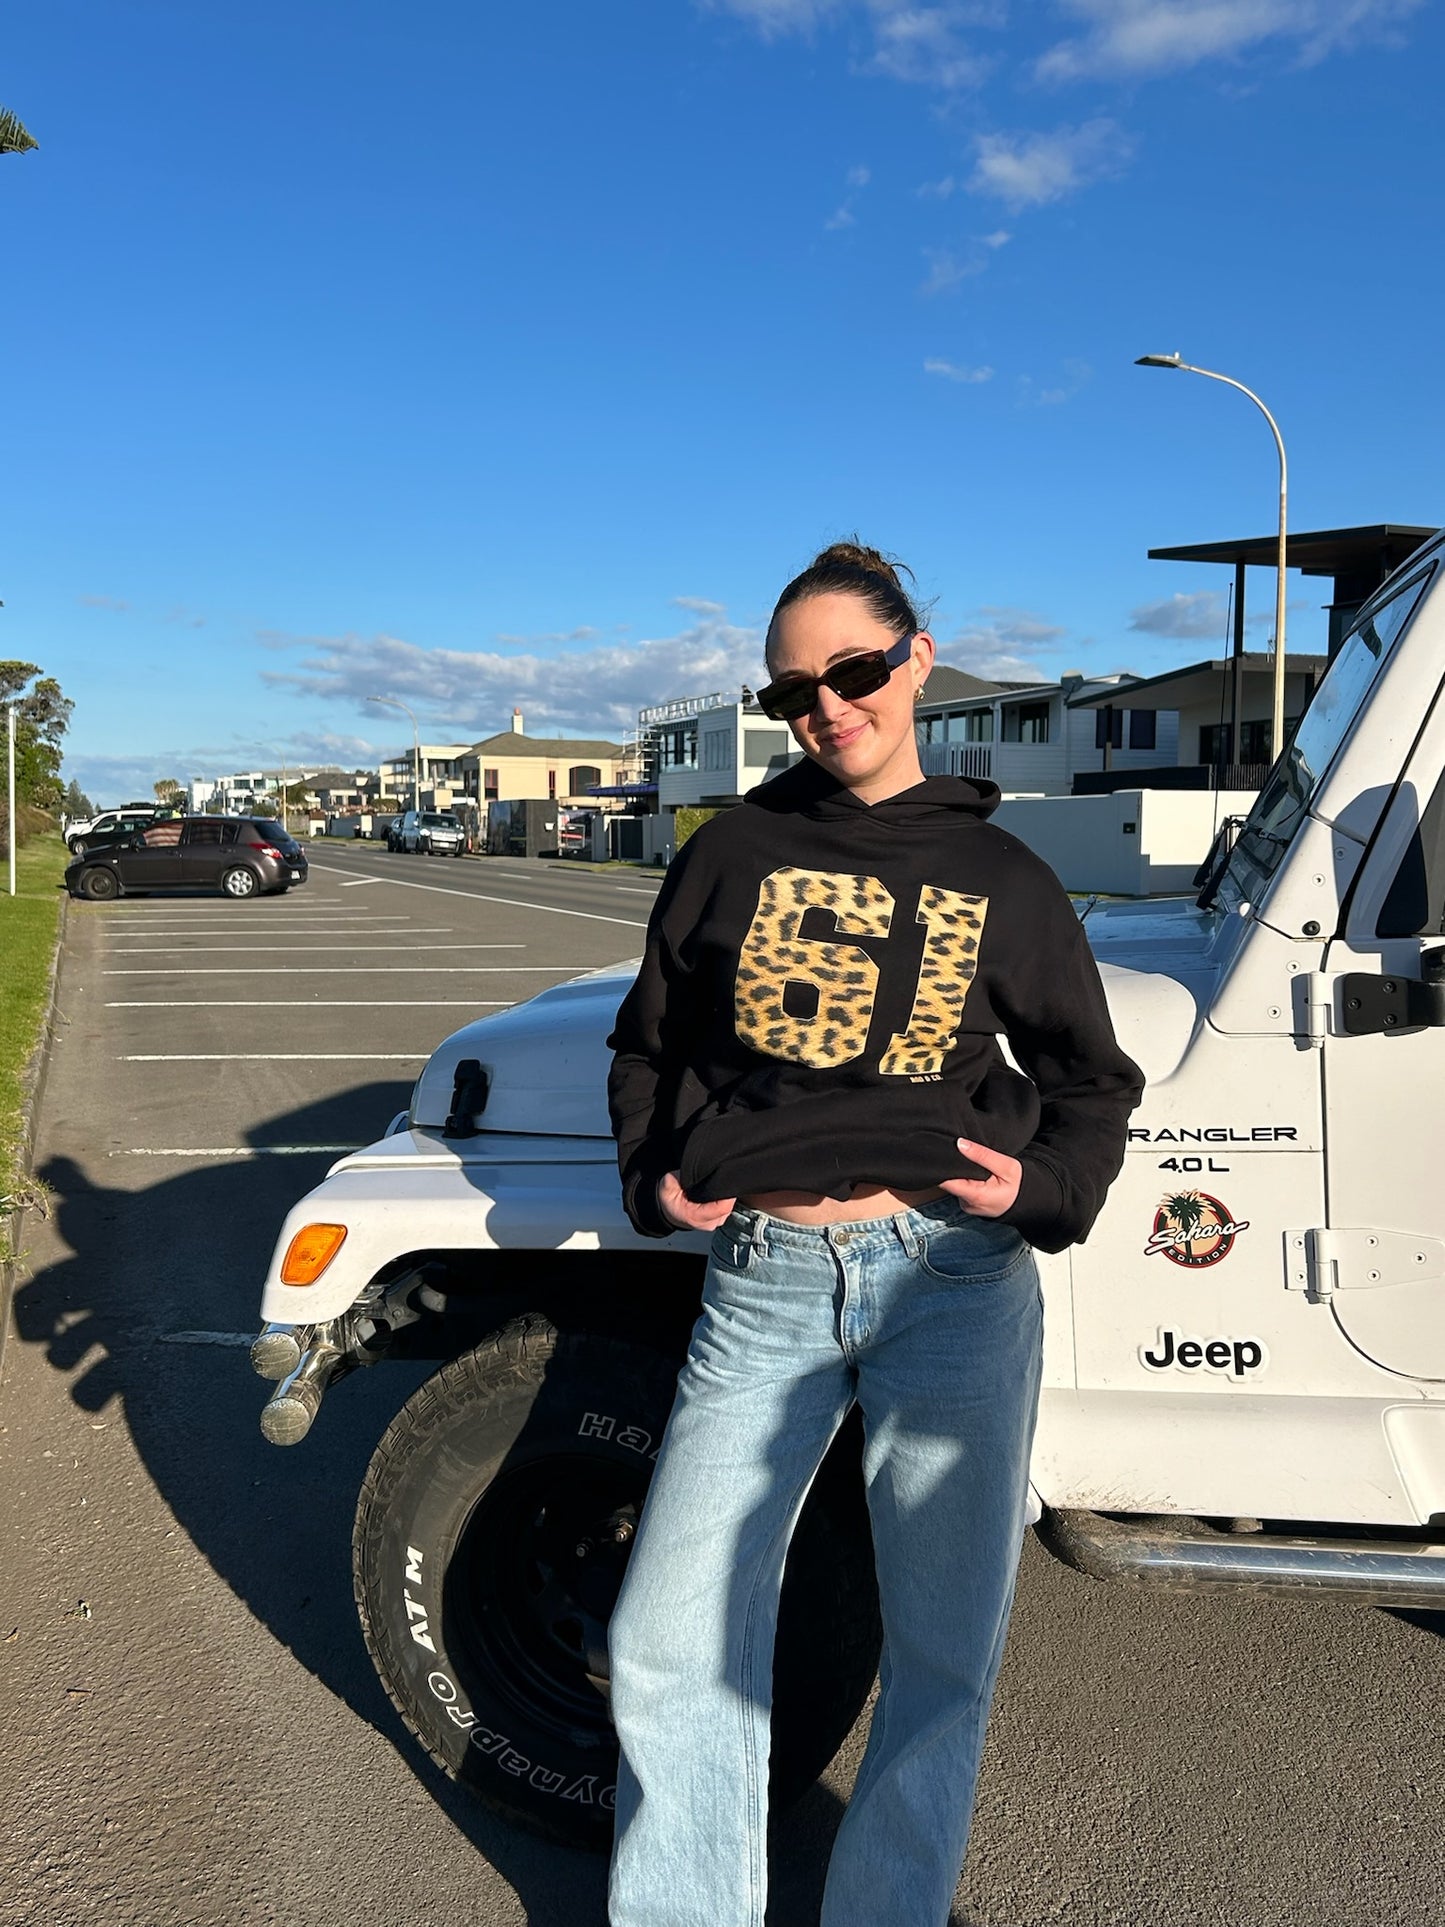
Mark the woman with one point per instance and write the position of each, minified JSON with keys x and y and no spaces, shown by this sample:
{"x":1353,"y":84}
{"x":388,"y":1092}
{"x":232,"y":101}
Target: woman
{"x":808,"y":1066}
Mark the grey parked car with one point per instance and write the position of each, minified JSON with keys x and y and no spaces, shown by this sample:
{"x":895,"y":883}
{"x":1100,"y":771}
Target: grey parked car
{"x":239,"y":856}
{"x":432,"y":832}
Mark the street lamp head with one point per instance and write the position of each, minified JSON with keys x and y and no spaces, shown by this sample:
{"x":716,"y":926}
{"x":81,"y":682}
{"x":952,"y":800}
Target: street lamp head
{"x":1159,"y":361}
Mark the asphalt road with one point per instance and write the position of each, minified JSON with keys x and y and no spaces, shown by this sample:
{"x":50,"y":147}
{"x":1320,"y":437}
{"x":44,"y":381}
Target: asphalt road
{"x":194,"y":1734}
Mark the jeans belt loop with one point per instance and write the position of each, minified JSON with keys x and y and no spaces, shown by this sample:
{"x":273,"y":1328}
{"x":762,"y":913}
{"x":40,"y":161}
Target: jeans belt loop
{"x":907,"y":1236}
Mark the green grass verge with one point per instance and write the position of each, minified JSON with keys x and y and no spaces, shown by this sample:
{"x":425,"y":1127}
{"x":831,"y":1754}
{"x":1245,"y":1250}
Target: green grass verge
{"x":27,"y":943}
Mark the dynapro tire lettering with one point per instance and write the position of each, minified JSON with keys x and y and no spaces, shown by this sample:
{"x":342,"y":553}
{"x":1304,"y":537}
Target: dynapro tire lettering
{"x":418,"y":1619}
{"x":601,"y":1425}
{"x":583,"y":1789}
{"x":1174,"y":1351}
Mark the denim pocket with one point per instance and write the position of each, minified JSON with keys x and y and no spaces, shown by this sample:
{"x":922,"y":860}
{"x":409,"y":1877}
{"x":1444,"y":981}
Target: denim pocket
{"x":732,"y":1250}
{"x":976,"y":1251}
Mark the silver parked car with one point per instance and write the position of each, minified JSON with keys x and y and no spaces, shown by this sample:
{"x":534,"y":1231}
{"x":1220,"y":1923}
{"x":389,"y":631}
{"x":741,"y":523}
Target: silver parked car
{"x":431,"y":833}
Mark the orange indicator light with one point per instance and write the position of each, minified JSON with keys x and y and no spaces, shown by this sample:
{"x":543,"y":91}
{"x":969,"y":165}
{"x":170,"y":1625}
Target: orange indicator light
{"x":310,"y":1252}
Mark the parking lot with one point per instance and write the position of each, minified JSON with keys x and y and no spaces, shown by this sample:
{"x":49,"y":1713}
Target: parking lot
{"x":196,"y":1738}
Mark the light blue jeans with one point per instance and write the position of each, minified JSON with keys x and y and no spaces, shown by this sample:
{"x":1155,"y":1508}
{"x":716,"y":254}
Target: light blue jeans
{"x":931,"y":1320}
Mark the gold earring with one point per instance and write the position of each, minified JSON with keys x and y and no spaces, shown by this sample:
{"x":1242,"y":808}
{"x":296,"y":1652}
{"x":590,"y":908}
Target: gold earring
{"x":918,"y":694}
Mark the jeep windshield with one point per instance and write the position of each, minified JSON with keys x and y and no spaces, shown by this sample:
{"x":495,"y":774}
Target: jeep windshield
{"x":432,"y":820}
{"x":1289,"y":789}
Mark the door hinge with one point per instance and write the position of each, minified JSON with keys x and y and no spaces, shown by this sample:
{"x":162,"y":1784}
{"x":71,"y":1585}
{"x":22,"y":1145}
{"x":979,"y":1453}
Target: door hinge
{"x":1328,"y":1259}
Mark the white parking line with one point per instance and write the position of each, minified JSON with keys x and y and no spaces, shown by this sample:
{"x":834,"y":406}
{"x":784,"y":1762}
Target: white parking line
{"x":278,"y":1057}
{"x":354,"y":970}
{"x":319,"y":1003}
{"x":238,"y":1339}
{"x":237,"y":1151}
{"x":515,"y":903}
{"x":299,"y":929}
{"x":358,"y":883}
{"x":306,"y":950}
{"x":228,"y":917}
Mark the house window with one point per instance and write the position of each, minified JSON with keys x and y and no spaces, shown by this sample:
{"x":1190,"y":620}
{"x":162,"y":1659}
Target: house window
{"x":582,"y":777}
{"x":760,"y":746}
{"x":1026,"y":723}
{"x":1109,"y":728}
{"x":978,"y":726}
{"x":717,"y":749}
{"x":1143,"y":728}
{"x":679,"y":748}
{"x":552,"y":784}
{"x":491,"y":785}
{"x":1216,"y":744}
{"x":1254,"y":739}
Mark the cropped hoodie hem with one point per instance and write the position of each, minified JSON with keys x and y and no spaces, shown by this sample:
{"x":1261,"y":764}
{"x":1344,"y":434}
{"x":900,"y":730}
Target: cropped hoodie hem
{"x":823,"y":1001}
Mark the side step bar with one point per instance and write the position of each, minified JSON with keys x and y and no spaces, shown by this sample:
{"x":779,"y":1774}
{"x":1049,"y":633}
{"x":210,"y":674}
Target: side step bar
{"x":1187,"y":1553}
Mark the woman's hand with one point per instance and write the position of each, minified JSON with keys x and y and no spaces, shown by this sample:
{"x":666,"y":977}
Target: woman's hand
{"x":986,"y":1197}
{"x":679,"y":1209}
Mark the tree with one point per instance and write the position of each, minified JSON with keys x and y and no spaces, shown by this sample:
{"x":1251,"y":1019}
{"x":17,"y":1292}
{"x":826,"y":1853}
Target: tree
{"x":42,"y":716}
{"x":75,"y":802}
{"x":15,"y":138}
{"x":168,"y":790}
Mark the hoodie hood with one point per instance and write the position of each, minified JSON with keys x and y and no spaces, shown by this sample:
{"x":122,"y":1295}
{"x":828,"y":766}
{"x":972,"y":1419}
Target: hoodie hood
{"x":808,"y":790}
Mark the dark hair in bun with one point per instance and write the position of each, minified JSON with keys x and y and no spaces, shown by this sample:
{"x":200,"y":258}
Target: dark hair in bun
{"x":850,"y":568}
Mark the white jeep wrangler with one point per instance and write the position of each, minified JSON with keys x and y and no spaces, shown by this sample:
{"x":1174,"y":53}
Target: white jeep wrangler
{"x":1244,"y":1365}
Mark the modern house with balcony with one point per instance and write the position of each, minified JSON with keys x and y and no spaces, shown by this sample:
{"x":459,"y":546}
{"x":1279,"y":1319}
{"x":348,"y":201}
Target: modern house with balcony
{"x":1034,"y":739}
{"x":710,"y":750}
{"x":441,"y":777}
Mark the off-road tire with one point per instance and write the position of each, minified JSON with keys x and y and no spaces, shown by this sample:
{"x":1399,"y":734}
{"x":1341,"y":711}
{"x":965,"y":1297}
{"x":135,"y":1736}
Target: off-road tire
{"x":100,"y":885}
{"x":239,"y":882}
{"x":486,"y":1561}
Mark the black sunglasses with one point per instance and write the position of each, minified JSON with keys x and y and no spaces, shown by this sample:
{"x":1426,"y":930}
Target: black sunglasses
{"x":794,"y":696}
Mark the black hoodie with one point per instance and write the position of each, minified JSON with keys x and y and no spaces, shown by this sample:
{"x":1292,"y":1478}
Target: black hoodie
{"x":821,"y":1001}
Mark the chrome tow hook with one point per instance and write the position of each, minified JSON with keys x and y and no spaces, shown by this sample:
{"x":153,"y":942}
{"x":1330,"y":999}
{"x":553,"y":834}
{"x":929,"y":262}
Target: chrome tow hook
{"x":277,"y":1352}
{"x":288,"y":1414}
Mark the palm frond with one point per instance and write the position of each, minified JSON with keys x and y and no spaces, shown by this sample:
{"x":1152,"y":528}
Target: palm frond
{"x":15,"y":137}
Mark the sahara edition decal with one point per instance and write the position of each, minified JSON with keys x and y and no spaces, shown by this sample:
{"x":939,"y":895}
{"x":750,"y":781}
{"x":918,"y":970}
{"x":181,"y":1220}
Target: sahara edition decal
{"x":1236,"y":1356}
{"x":1193,"y":1229}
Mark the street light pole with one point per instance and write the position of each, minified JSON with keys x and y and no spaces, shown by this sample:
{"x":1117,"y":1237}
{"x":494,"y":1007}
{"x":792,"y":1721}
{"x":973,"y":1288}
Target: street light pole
{"x":1277,"y":717}
{"x":394,"y":703}
{"x":10,"y":795}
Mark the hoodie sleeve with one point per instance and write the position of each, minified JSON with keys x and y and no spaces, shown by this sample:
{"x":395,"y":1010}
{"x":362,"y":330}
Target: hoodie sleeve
{"x":1058,"y":1027}
{"x":649,"y":1043}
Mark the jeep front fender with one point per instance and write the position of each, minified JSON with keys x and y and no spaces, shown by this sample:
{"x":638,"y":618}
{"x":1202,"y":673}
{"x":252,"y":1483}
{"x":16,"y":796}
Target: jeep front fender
{"x":416,"y":1191}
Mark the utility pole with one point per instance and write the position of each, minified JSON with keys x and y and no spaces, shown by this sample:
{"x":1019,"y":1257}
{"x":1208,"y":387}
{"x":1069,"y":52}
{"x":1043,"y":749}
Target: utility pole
{"x":10,"y":797}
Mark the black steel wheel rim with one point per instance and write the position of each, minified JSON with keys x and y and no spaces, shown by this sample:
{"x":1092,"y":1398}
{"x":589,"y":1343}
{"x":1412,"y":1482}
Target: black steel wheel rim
{"x":531,"y":1587}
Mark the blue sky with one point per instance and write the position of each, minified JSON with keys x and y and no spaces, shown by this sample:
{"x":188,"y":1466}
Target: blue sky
{"x":520,"y":355}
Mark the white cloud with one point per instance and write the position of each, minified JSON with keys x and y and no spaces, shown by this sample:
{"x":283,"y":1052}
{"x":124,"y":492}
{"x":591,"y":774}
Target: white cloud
{"x":1030,"y":170}
{"x":1054,"y":394}
{"x":948,"y":266}
{"x":953,"y":371}
{"x":921,"y":44}
{"x":1132,"y":39}
{"x":995,"y":644}
{"x":109,"y":780}
{"x":843,"y":215}
{"x":1184,"y":617}
{"x":582,"y":692}
{"x":111,"y":602}
{"x":775,"y":17}
{"x":1000,"y":238}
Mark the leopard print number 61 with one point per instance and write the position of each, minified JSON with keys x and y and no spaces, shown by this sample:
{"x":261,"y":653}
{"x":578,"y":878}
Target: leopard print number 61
{"x":837,"y":983}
